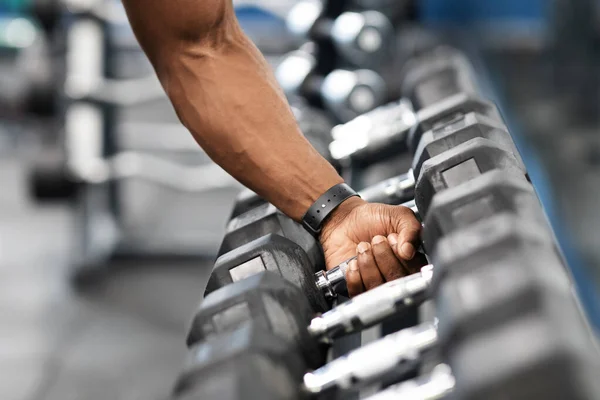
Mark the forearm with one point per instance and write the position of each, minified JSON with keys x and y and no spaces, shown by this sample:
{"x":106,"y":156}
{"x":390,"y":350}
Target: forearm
{"x":224,"y":92}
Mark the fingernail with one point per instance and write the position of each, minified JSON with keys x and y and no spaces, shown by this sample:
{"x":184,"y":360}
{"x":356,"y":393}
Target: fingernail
{"x":362,"y":247}
{"x":353,"y":266}
{"x":378,"y":239}
{"x":393,"y":239}
{"x":408,"y":251}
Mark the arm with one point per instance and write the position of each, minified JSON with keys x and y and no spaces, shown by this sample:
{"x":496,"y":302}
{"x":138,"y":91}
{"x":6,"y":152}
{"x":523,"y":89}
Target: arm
{"x":224,"y":92}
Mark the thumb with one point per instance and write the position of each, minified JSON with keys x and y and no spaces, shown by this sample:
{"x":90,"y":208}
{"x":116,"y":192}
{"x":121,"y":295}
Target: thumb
{"x":408,"y":229}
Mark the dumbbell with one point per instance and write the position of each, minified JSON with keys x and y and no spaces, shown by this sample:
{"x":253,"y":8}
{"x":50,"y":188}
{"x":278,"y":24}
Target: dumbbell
{"x":450,"y":169}
{"x":437,"y":77}
{"x":487,"y":238}
{"x":315,"y":125}
{"x":249,"y":362}
{"x":346,"y":94}
{"x":364,"y":39}
{"x":269,"y":301}
{"x":286,"y":258}
{"x":480,"y":294}
{"x":245,"y":300}
{"x":548,"y":354}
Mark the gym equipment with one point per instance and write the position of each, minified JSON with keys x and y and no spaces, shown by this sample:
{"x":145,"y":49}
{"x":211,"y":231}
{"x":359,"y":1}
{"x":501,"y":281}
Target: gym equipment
{"x":491,"y":193}
{"x":434,"y":386}
{"x":374,"y":135}
{"x":395,"y":191}
{"x":247,"y":363}
{"x":266,"y":299}
{"x":441,"y":90}
{"x":545,"y":355}
{"x":346,"y":94}
{"x":483,"y":241}
{"x":315,"y":125}
{"x":461,"y":164}
{"x":364,"y":39}
{"x":496,"y":293}
{"x":437,"y":75}
{"x":461,"y":129}
{"x":245,"y":201}
{"x":285,"y":257}
{"x":266,"y":219}
{"x":271,"y":252}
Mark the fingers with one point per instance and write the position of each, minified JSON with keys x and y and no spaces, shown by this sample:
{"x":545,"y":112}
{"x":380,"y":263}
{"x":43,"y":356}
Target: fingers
{"x":367,"y":266}
{"x":409,"y":236}
{"x":354,"y":281}
{"x":413,"y":266}
{"x":387,"y":262}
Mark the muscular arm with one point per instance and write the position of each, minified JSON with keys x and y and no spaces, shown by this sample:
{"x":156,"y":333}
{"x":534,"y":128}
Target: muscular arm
{"x":224,"y":92}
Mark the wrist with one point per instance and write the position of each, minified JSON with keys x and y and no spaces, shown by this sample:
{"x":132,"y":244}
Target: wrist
{"x":338,"y":215}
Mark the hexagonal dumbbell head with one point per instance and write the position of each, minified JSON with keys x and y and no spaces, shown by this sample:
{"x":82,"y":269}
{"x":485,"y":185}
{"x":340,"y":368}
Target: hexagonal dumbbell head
{"x":437,"y":75}
{"x":447,"y":111}
{"x":464,"y":127}
{"x":459,"y":165}
{"x":492,"y":193}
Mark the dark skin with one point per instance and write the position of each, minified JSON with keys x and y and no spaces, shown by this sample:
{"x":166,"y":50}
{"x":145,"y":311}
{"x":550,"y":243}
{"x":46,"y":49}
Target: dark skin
{"x":225,"y":93}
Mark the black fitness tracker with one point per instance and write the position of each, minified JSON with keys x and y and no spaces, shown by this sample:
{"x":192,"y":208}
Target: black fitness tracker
{"x":329,"y":201}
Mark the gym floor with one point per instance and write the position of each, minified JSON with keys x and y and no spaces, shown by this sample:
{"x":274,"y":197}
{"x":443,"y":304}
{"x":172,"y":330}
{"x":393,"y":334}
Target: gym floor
{"x":122,"y":338}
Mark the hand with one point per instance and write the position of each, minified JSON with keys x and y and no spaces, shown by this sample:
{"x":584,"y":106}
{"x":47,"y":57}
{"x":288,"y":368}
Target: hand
{"x":384,"y":237}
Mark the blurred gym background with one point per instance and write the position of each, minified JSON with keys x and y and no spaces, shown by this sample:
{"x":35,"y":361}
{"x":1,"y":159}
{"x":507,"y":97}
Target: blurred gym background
{"x":96,"y":294}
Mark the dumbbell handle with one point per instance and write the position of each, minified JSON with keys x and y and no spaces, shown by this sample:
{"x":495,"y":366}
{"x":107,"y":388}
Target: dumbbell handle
{"x":374,"y":360}
{"x":326,"y":280}
{"x":396,"y":190}
{"x":434,"y":386}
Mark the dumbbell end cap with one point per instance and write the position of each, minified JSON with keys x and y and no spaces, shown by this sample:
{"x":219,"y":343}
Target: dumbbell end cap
{"x":317,"y":327}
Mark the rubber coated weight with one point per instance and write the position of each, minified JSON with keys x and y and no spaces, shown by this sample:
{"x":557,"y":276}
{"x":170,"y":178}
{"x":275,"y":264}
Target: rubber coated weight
{"x":248,"y":363}
{"x":274,"y":253}
{"x":524,"y":280}
{"x":463,"y":128}
{"x":487,"y":240}
{"x":462,"y":164}
{"x":270,"y":302}
{"x":447,"y":111}
{"x":245,"y":201}
{"x":492,"y":193}
{"x":470,"y":305}
{"x":437,"y":75}
{"x":266,"y":219}
{"x":547,"y":354}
